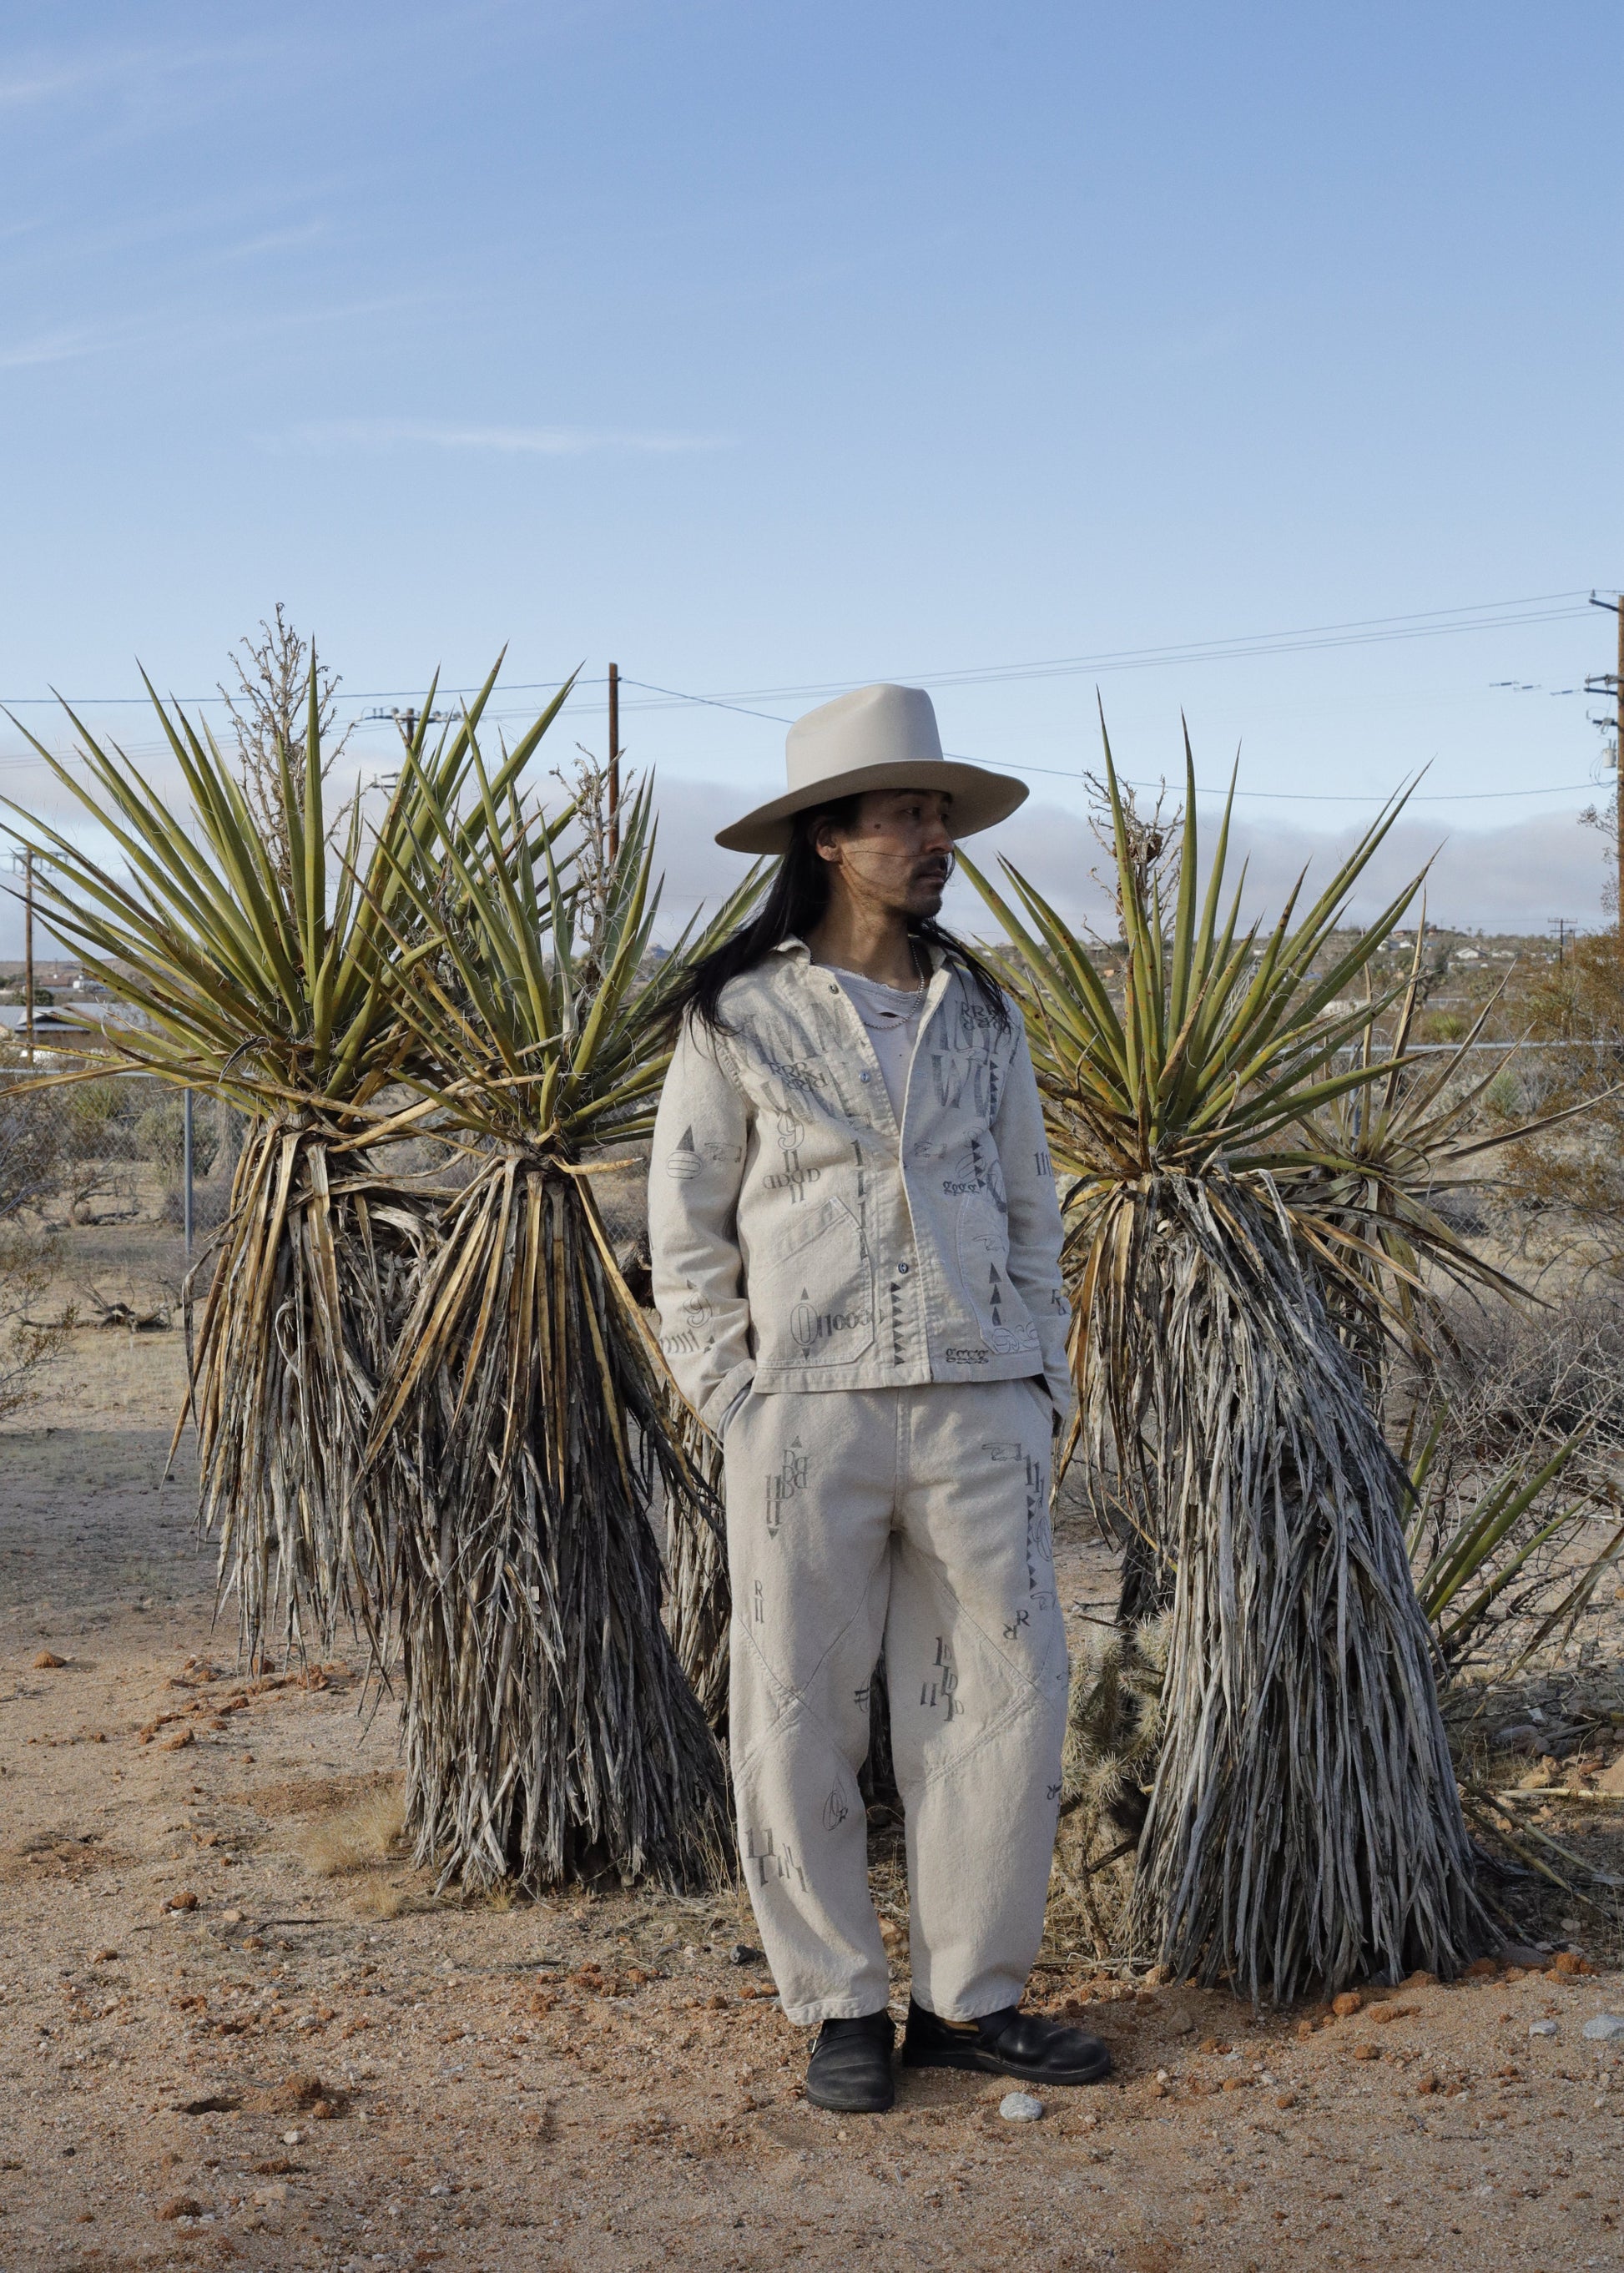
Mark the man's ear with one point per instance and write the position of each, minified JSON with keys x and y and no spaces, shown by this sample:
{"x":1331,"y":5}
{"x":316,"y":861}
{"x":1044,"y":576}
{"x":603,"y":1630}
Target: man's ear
{"x":826,"y":841}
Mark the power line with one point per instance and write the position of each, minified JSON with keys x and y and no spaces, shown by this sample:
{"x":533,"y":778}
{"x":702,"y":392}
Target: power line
{"x":1362,"y":631}
{"x":1430,"y":623}
{"x":1063,"y":773}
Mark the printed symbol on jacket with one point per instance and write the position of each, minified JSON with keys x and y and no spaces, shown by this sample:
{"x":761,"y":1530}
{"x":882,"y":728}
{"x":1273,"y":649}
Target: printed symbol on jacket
{"x":979,"y":1027}
{"x":835,"y":1811}
{"x":684,"y":1161}
{"x":860,"y":1697}
{"x":790,"y":1479}
{"x":688,"y":1335}
{"x":760,"y":1605}
{"x":978,"y":1169}
{"x":941,"y":1684}
{"x":984,"y":1264}
{"x":949,"y":1078}
{"x":810,"y":1326}
{"x":791,"y":1132}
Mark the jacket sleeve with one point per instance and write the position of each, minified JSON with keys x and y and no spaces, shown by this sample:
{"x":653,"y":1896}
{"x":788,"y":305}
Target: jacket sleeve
{"x":695,"y":1173}
{"x":1035,"y":1221}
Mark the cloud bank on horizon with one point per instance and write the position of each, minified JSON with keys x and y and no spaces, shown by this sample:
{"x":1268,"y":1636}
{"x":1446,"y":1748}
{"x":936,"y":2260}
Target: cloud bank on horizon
{"x":1518,"y":876}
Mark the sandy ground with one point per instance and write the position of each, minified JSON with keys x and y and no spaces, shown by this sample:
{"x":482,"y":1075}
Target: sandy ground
{"x":312,"y":2064}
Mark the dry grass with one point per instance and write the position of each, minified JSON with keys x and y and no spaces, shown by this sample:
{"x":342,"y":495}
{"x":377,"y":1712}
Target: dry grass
{"x":364,"y":1835}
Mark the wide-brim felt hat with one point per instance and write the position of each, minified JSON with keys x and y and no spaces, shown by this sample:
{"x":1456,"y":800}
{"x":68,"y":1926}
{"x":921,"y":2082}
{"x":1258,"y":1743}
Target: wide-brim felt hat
{"x":878,"y":737}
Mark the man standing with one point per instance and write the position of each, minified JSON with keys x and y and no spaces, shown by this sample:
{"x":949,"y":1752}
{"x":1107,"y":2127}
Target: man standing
{"x":856,"y":1250}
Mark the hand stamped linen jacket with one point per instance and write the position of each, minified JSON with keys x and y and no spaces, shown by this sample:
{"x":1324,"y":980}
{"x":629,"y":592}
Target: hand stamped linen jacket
{"x":801,"y":1240}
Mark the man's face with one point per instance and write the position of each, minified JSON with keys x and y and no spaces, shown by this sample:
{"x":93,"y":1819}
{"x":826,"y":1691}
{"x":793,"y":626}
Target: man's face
{"x":900,"y":852}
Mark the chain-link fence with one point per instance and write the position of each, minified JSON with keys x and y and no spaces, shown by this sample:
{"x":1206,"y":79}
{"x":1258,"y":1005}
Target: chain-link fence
{"x":125,"y":1173}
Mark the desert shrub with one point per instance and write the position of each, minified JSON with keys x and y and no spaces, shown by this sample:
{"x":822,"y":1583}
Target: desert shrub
{"x":27,"y":1345}
{"x":160,"y":1136}
{"x":94,"y":1117}
{"x":31,"y":1148}
{"x":1512,"y":1375}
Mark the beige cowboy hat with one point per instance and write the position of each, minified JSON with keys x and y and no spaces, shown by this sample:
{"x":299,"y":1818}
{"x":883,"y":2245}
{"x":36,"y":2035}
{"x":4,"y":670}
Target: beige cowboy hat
{"x":879,"y":738}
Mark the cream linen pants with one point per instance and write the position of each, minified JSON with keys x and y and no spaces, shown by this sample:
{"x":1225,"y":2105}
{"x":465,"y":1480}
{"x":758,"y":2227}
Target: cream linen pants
{"x":919,"y":1519}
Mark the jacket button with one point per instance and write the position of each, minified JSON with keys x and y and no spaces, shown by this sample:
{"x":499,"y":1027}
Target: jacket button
{"x":862,"y":1076}
{"x":902,"y":1268}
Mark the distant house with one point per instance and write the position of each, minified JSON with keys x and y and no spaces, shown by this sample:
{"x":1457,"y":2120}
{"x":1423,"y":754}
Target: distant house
{"x":82,"y":1024}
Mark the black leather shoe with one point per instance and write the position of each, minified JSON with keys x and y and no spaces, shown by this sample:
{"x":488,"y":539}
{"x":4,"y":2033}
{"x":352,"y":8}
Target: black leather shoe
{"x":850,"y":2068}
{"x":1010,"y":2043}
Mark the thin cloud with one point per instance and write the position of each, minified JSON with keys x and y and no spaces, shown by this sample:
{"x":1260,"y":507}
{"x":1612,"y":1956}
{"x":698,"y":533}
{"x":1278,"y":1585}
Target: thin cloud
{"x":509,"y":441}
{"x":50,"y":347}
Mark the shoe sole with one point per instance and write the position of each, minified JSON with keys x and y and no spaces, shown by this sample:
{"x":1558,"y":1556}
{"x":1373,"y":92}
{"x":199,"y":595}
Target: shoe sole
{"x":989,"y":2064}
{"x":849,"y":2107}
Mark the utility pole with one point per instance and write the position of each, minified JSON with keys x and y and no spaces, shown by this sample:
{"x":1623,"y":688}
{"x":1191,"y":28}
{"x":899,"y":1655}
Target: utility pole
{"x":1613,"y":684}
{"x":614,"y":759}
{"x":28,"y":949}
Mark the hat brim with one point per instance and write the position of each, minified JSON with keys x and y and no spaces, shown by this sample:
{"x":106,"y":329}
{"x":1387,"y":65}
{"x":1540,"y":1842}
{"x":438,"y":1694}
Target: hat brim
{"x":981,"y":799}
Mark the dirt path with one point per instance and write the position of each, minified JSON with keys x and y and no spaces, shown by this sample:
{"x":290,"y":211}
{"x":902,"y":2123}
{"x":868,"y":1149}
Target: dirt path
{"x":311,"y":2063}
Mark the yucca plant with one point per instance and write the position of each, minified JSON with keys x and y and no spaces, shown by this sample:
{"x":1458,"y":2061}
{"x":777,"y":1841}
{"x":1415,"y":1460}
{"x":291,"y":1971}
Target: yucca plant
{"x":270,"y":981}
{"x":527,"y":1424}
{"x":1304,"y":1828}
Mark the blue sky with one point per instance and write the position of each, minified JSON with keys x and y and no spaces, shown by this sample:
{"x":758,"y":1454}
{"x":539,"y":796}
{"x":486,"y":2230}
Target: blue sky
{"x":779,"y":347}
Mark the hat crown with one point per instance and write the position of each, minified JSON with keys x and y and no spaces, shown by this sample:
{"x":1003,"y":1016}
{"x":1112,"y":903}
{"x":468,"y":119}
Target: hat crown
{"x":880,"y":725}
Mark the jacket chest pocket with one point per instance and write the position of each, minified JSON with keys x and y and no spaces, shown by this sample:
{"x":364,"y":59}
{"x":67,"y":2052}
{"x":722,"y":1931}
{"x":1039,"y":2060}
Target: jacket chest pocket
{"x":819,"y":1309}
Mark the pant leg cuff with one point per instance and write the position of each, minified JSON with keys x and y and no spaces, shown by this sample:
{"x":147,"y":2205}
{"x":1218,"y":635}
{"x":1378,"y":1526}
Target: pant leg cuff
{"x":833,"y":2008}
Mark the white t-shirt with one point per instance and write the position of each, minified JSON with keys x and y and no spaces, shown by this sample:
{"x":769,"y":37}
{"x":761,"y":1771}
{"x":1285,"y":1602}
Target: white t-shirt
{"x":890,"y":1016}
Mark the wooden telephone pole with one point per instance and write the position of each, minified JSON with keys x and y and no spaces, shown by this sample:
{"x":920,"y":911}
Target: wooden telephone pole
{"x":1613,"y":683}
{"x":614,"y":755}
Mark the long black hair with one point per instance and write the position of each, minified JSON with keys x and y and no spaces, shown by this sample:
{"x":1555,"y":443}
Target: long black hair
{"x":794,"y":906}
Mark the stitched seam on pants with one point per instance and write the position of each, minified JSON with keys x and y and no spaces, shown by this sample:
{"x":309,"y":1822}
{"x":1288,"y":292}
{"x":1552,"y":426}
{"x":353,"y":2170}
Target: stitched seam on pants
{"x":788,"y":1696}
{"x":1015,"y":1710}
{"x":942,"y":1589}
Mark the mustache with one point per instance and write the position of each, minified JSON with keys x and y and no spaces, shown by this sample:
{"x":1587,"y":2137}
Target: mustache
{"x":935,"y":865}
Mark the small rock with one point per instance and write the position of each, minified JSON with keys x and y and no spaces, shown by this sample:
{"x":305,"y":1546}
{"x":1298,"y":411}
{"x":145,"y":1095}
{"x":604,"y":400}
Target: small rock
{"x":104,"y":1957}
{"x":741,"y":1954}
{"x":1183,"y":2026}
{"x":179,"y":1742}
{"x":47,"y":1661}
{"x":1569,"y":1962}
{"x":1367,"y":2051}
{"x":1285,"y":2099}
{"x":230,"y":1917}
{"x":182,"y":1901}
{"x":1605,"y":2027}
{"x":1516,"y":1736}
{"x":291,"y":2138}
{"x":1019,"y":2107}
{"x":181,"y":2206}
{"x":1350,"y":2001}
{"x":1542,"y":2029}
